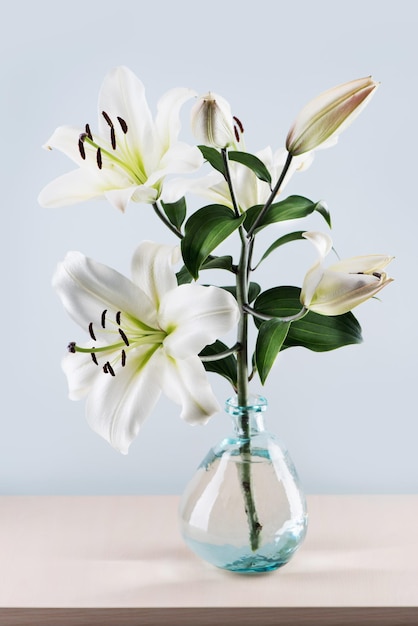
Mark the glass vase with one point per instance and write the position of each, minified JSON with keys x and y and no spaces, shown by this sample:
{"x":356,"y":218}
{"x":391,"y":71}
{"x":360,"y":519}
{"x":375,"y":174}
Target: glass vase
{"x":244,"y":510}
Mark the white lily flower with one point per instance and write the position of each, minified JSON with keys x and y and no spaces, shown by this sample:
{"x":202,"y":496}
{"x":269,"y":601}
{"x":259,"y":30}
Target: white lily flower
{"x":324,"y":118}
{"x":341,"y":287}
{"x":249,"y":190}
{"x":131,"y":154}
{"x":145,"y":338}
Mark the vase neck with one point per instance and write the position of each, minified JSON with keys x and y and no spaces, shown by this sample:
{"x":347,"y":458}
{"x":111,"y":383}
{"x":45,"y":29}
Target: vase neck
{"x":253,"y":414}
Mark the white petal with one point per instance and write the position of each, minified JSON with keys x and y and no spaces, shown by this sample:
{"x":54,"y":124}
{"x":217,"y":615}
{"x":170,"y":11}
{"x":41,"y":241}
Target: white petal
{"x":86,"y":288}
{"x":81,"y":373}
{"x":195,"y":316}
{"x":338,"y":293}
{"x":123,"y":95}
{"x":118,"y":405}
{"x":167,"y":122}
{"x":321,"y":241}
{"x":365,"y":264}
{"x":185,"y":382}
{"x":73,"y":187}
{"x":152,"y":269}
{"x":65,"y":139}
{"x":119,"y":198}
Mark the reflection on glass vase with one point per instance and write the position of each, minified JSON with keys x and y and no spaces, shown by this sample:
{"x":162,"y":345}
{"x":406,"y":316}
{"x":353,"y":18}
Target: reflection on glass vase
{"x":244,"y":510}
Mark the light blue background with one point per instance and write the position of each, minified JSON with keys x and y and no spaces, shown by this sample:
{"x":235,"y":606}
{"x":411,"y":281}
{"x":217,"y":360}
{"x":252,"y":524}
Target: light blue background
{"x":349,"y":417}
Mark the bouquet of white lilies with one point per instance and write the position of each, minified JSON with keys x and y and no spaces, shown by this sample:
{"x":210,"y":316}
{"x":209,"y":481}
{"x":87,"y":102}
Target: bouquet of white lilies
{"x":160,"y":331}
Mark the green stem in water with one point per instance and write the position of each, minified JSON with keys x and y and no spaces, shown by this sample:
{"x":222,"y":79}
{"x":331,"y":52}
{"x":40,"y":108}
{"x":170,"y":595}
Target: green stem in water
{"x":245,"y":477}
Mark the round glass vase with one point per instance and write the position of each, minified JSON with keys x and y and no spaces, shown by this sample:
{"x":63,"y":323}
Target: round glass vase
{"x":244,"y":510}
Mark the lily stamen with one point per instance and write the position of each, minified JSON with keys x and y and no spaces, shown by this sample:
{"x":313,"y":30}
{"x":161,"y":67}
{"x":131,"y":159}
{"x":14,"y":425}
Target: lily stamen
{"x":107,"y":118}
{"x":124,"y":337}
{"x":123,"y":125}
{"x":104,"y":318}
{"x":88,"y":132}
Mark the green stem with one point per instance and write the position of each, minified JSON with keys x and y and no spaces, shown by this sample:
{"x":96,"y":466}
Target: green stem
{"x":243,"y":398}
{"x":271,"y":197}
{"x":165,"y":221}
{"x":242,"y":282}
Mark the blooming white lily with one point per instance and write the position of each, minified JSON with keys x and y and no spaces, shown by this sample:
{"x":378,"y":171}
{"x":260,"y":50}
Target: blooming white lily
{"x":324,"y":118}
{"x":130,"y":155}
{"x":145,"y":338}
{"x":249,"y":190}
{"x":344,"y":285}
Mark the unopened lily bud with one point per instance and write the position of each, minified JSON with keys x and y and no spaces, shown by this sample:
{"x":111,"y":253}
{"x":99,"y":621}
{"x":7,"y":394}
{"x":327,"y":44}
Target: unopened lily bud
{"x":326,"y":116}
{"x":346,"y":284}
{"x":212,"y":122}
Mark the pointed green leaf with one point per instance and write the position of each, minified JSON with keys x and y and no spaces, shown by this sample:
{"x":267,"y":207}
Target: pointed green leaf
{"x":253,"y":291}
{"x":226,"y":367}
{"x":270,"y":339}
{"x":292,"y":208}
{"x":280,"y":242}
{"x":175,"y":211}
{"x":253,"y":163}
{"x":213,"y":157}
{"x":219,"y":263}
{"x":212,"y":262}
{"x":204,"y":231}
{"x":315,"y":332}
{"x":322,"y":208}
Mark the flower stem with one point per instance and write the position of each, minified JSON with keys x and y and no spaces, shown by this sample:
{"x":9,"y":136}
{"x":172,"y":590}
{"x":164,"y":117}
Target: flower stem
{"x":165,"y":221}
{"x":242,"y":281}
{"x":243,"y":396}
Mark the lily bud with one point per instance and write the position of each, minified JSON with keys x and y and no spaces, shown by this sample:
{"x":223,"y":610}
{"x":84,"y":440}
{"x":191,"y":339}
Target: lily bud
{"x":212,"y":121}
{"x":326,"y":116}
{"x":346,"y":284}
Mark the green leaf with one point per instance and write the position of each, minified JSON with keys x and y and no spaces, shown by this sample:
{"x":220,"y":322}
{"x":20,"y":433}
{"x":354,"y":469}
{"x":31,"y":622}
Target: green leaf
{"x":270,"y":339}
{"x":253,"y":163}
{"x":315,"y":332}
{"x":213,"y":157}
{"x":175,"y":211}
{"x":205,"y":230}
{"x":218,"y":263}
{"x":212,"y":262}
{"x":226,"y":367}
{"x":280,"y":242}
{"x":322,"y":208}
{"x":253,"y":291}
{"x":292,"y":208}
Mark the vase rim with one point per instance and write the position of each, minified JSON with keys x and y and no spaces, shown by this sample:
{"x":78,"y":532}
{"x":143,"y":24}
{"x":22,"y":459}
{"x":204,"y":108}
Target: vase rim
{"x":256,"y":403}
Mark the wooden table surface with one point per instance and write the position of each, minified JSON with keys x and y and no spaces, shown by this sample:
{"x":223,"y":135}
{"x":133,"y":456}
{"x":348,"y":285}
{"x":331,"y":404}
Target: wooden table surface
{"x":120,"y":560}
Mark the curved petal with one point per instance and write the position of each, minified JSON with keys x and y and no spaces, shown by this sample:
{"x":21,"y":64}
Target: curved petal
{"x":86,"y":288}
{"x":152,"y":268}
{"x":167,"y":122}
{"x":185,"y":382}
{"x":179,"y":159}
{"x":123,"y":95}
{"x":118,"y":405}
{"x":321,"y":241}
{"x":71,"y":188}
{"x":366,"y":264}
{"x":65,"y":139}
{"x":195,"y":316}
{"x":119,"y":198}
{"x":323,"y":244}
{"x":81,"y":374}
